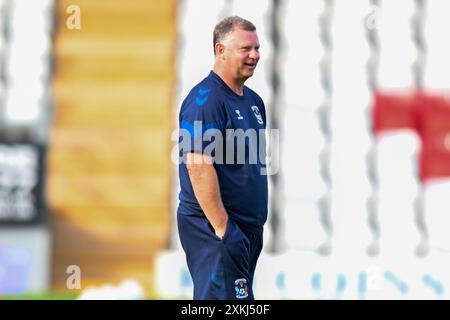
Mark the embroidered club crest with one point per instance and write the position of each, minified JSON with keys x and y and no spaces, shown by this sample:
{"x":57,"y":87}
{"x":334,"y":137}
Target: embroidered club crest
{"x":257,"y":114}
{"x":241,"y":288}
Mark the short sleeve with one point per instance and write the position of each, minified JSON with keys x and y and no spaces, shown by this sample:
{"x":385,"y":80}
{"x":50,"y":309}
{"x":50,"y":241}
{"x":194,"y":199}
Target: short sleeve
{"x":202,"y":120}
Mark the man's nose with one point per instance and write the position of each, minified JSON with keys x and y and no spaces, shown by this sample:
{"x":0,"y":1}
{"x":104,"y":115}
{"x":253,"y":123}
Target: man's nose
{"x":254,"y":54}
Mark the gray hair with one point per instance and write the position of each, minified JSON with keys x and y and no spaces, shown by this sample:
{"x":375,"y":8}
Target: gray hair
{"x":227,"y":25}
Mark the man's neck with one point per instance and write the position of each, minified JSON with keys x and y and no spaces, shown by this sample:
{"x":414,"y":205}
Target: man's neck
{"x":236,"y":85}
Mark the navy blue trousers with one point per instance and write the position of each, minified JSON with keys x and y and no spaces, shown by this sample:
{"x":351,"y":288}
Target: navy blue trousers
{"x":220,"y":269}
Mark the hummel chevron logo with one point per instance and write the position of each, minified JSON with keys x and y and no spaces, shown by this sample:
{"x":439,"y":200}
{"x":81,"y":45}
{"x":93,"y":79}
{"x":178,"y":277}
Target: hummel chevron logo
{"x":201,"y":101}
{"x":202,"y":92}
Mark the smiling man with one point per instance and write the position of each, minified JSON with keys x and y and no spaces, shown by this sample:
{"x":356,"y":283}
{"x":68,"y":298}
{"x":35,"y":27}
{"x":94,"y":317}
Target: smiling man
{"x":223,"y":206}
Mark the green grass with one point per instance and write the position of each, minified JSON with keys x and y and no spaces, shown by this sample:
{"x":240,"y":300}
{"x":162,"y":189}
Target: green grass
{"x":40,"y":296}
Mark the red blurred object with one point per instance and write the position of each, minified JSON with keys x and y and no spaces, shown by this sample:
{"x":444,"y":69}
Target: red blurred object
{"x":434,"y":130}
{"x":426,"y":113}
{"x":394,"y":111}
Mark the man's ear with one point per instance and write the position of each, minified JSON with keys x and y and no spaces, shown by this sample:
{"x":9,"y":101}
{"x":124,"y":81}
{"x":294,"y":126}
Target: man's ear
{"x":220,"y":49}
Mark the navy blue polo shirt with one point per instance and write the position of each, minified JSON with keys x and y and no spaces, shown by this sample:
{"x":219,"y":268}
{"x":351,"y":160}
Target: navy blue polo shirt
{"x":216,"y":121}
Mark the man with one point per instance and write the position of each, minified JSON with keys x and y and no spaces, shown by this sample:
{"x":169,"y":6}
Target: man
{"x":223,"y":206}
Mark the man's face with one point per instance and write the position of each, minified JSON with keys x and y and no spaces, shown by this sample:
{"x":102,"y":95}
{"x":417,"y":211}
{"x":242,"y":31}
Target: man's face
{"x":241,"y":53}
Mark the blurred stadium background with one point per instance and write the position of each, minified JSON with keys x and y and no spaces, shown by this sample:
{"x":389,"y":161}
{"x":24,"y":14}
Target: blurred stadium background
{"x":89,"y":97}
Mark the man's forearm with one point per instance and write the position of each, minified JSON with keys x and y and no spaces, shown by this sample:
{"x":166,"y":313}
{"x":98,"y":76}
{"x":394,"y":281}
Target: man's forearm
{"x":205,"y":183}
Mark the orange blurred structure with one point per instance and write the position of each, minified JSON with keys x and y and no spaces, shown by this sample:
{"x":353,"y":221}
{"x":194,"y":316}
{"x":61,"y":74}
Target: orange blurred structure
{"x":109,"y":156}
